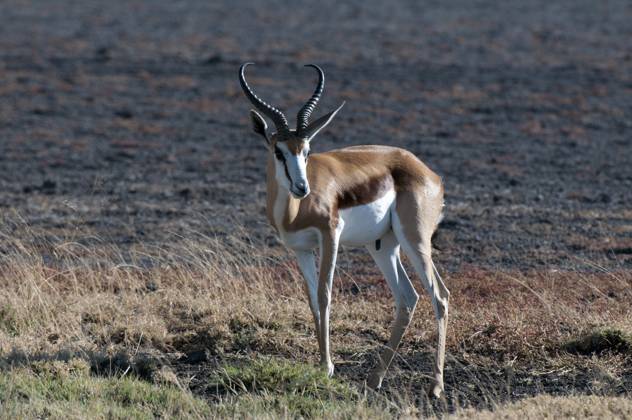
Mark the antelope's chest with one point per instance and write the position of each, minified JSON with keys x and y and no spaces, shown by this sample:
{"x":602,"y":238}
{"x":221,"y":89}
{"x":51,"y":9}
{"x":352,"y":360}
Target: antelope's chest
{"x":358,"y":225}
{"x":300,"y":240}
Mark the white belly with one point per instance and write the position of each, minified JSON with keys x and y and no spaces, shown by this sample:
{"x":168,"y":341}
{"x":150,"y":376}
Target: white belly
{"x":367,"y":223}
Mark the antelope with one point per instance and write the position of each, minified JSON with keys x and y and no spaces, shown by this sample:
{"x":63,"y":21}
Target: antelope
{"x":379,"y":197}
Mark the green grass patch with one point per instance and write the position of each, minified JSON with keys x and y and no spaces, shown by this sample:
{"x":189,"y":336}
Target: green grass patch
{"x":67,"y":390}
{"x":278,"y":388}
{"x":601,"y":341}
{"x":9,"y":320}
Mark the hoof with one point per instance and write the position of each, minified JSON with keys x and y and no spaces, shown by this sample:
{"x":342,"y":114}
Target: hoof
{"x":437,"y":392}
{"x":329,"y":367}
{"x":374,"y":381}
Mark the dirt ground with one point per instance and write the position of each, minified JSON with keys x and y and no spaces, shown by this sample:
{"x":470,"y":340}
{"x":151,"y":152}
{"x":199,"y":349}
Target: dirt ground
{"x":125,"y":119}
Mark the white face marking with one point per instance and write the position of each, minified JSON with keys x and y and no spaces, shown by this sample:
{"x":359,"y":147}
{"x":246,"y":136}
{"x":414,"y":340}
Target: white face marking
{"x":296,"y":166}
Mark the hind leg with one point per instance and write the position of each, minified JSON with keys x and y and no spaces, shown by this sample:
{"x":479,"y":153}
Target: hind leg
{"x":413,"y":225}
{"x":387,"y":259}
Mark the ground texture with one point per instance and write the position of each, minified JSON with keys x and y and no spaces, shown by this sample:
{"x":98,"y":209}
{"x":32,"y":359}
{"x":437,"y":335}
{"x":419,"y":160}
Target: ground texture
{"x":128,"y":118}
{"x":125,"y":142}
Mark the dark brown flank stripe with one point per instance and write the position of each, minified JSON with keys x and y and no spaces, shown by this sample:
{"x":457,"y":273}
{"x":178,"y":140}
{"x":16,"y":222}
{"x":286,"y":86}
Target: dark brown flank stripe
{"x":365,"y":193}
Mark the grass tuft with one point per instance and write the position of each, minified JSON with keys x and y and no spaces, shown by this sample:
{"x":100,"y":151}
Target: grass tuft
{"x":550,"y":407}
{"x":601,"y":341}
{"x":279,"y":376}
{"x":66,"y":389}
{"x":278,"y":386}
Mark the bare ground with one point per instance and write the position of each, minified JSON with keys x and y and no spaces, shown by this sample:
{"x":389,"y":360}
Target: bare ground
{"x":127,"y":118}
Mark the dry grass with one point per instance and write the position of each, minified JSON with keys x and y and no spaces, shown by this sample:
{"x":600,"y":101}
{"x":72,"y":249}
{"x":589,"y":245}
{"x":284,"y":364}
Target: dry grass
{"x":547,"y":407}
{"x":182,"y":313}
{"x":64,"y":295}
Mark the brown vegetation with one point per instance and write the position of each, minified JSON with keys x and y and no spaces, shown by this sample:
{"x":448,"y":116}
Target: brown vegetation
{"x":189,"y":310}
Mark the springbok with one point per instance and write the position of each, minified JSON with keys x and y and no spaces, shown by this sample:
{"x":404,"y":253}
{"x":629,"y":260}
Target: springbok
{"x":379,"y":197}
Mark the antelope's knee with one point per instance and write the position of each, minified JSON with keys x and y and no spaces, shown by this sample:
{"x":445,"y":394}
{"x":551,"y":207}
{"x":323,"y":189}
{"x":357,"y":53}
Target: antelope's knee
{"x":441,"y":306}
{"x":410,"y":304}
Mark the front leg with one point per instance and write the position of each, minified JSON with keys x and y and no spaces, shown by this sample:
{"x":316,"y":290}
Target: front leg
{"x":307,"y":263}
{"x":328,"y":254}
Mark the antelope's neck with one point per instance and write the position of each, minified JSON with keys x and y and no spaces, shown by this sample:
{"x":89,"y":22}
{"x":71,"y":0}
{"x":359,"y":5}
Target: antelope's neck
{"x":282,"y":208}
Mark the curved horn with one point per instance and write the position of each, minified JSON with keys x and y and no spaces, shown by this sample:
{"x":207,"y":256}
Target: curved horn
{"x":268,"y":110}
{"x":302,"y":118}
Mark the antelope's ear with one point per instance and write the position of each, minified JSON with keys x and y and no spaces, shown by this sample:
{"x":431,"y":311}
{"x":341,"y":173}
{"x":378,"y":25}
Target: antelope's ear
{"x":259,"y":125}
{"x":314,"y":127}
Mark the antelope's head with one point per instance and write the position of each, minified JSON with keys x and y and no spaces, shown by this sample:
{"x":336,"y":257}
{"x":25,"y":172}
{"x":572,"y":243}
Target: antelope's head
{"x":290,"y":147}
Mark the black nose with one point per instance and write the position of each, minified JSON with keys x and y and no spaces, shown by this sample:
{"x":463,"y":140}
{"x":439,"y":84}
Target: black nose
{"x":301,"y":188}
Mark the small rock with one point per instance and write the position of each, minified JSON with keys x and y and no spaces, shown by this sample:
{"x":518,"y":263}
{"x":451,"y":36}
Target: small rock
{"x":196,"y":356}
{"x":604,"y":198}
{"x":48,"y":187}
{"x":126,"y":114}
{"x":214,"y":59}
{"x":102,"y":54}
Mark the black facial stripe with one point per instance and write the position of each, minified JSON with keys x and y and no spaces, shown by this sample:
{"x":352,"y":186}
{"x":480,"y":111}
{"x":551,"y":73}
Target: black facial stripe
{"x":281,"y":157}
{"x":287,"y":173}
{"x":279,"y":154}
